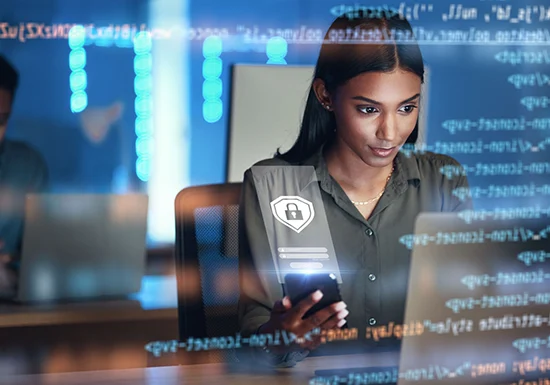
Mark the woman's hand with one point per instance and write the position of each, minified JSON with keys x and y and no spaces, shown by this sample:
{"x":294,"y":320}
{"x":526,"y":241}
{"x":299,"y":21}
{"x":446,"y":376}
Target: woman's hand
{"x":288,"y":317}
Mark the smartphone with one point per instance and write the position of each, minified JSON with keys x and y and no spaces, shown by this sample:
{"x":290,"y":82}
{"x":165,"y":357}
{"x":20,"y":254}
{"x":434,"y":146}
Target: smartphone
{"x":300,"y":286}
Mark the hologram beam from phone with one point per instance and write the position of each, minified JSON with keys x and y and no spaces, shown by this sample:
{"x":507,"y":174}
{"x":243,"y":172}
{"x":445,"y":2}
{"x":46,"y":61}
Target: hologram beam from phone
{"x":278,"y":186}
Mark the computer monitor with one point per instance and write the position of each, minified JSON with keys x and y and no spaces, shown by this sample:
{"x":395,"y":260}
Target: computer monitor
{"x":82,"y":246}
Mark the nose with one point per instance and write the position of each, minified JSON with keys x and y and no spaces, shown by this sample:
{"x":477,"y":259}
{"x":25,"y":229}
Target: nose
{"x":387,"y":130}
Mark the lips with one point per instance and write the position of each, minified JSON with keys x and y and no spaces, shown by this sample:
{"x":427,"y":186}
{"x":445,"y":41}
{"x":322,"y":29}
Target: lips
{"x":382,"y":152}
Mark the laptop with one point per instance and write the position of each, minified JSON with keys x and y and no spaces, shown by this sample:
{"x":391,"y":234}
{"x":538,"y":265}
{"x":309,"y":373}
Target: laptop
{"x":82,"y":246}
{"x":478,"y":304}
{"x":480,"y":289}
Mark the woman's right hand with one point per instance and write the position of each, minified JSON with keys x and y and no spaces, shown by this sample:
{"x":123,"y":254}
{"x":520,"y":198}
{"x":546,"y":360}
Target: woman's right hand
{"x":289,"y":317}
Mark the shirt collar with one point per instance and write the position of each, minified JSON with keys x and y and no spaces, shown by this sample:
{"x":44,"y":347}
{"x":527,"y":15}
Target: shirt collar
{"x":406,"y":171}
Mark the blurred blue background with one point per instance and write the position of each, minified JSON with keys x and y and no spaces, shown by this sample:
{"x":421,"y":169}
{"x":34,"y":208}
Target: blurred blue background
{"x":466,"y":82}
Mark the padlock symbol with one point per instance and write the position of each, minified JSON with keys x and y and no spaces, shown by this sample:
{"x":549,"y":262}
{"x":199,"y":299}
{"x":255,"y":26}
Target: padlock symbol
{"x":293,"y":214}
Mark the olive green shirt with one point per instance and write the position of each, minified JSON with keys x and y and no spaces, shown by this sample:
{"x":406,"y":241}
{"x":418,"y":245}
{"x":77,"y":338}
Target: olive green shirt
{"x":374,"y":265}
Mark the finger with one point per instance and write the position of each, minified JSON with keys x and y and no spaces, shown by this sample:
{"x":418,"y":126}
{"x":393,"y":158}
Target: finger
{"x":278,"y":307}
{"x":301,"y":308}
{"x":323,"y":315}
{"x":341,"y":323}
{"x":336,"y":321}
{"x":282,"y":305}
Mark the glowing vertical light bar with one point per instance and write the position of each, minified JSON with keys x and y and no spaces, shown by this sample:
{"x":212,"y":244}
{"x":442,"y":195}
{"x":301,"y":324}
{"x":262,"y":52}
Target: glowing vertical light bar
{"x":171,"y":126}
{"x":78,"y":80}
{"x":212,"y":87}
{"x":143,"y":65}
{"x":276,"y":50}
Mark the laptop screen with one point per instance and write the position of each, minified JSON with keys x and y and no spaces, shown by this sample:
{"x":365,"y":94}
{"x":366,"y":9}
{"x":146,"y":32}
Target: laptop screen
{"x":478,"y":308}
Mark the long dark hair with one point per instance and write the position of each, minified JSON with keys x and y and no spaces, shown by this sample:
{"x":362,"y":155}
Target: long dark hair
{"x":386,"y":42}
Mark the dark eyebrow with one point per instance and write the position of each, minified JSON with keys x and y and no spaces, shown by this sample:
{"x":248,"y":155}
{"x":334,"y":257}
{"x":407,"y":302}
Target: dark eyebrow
{"x":378,"y":103}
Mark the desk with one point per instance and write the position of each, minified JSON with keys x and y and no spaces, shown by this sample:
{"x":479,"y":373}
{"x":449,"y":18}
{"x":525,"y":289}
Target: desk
{"x":95,"y":335}
{"x":156,"y":300}
{"x":207,"y":374}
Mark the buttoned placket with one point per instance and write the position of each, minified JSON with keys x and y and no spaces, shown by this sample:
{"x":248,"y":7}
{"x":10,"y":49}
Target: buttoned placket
{"x":397,"y":185}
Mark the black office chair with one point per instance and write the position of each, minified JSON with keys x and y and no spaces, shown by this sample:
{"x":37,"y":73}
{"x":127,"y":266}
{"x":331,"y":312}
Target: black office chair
{"x":207,"y":260}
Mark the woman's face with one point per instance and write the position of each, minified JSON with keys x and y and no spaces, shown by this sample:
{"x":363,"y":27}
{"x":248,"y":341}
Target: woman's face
{"x":375,"y":114}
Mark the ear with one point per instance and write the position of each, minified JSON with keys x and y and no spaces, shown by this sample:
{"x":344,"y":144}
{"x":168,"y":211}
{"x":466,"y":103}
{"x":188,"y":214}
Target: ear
{"x":322,"y":94}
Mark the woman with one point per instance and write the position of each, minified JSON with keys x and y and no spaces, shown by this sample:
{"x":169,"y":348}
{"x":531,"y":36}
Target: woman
{"x":362,"y":108}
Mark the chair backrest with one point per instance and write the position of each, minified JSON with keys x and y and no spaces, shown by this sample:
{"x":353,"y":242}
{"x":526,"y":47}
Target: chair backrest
{"x":207,"y":260}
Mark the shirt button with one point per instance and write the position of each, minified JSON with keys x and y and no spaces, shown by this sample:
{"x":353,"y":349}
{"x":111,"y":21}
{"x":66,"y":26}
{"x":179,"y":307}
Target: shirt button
{"x":369,"y":232}
{"x":372,"y":277}
{"x":372,"y":321}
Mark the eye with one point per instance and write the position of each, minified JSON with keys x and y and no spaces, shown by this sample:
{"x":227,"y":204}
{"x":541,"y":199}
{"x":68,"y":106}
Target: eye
{"x":408,"y":109}
{"x":367,"y":110}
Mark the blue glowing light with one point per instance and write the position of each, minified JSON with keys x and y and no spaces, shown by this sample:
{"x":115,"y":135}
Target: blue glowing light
{"x":212,"y":87}
{"x":78,"y":79}
{"x":212,"y":47}
{"x":276,"y":61}
{"x":212,"y":110}
{"x":143,"y":64}
{"x":143,"y":126}
{"x":77,"y":59}
{"x":143,"y":106}
{"x":77,"y":37}
{"x":142,"y":43}
{"x":143,"y":168}
{"x":212,"y":68}
{"x":276,"y":50}
{"x":143,"y":86}
{"x":79,"y":101}
{"x":144,"y":146}
{"x":103,"y":42}
{"x":123,"y":43}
